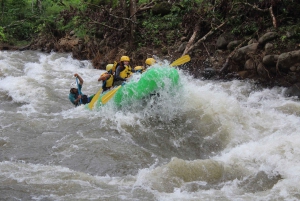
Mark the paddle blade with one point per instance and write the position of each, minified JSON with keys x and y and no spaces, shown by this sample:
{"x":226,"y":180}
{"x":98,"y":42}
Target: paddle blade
{"x":109,"y":95}
{"x":94,"y":99}
{"x":181,"y":60}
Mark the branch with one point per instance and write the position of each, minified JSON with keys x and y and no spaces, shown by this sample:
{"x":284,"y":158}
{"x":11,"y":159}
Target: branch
{"x":253,"y":6}
{"x":263,"y":10}
{"x":273,"y":17}
{"x":204,"y":37}
{"x":146,"y":6}
{"x":95,"y":22}
{"x":143,"y":7}
{"x":187,"y":48}
{"x":14,"y":23}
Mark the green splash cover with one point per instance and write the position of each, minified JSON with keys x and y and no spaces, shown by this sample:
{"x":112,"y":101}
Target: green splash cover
{"x":152,"y":80}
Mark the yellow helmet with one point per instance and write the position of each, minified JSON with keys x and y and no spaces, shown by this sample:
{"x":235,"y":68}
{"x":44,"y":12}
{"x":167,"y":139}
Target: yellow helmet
{"x":138,"y":68}
{"x":125,"y":58}
{"x":109,"y":67}
{"x":150,"y":61}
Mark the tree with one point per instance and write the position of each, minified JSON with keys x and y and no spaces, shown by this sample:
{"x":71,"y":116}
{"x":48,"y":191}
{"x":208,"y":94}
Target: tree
{"x":133,"y":10}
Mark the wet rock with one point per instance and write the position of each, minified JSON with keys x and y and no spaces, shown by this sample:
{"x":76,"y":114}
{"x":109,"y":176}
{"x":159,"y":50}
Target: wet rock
{"x":243,"y":74}
{"x":259,"y":182}
{"x":293,"y":90}
{"x":208,"y":73}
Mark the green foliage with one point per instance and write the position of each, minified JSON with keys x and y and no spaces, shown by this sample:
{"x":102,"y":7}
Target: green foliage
{"x":2,"y":35}
{"x":22,"y":19}
{"x":241,"y":27}
{"x":158,"y":30}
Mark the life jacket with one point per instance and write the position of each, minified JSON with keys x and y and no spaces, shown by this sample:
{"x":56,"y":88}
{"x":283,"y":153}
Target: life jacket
{"x":113,"y":69}
{"x":126,"y":72}
{"x":110,"y":81}
{"x":130,"y":71}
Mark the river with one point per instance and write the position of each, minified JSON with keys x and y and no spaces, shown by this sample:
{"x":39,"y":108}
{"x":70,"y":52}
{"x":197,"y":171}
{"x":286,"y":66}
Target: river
{"x":210,"y":140}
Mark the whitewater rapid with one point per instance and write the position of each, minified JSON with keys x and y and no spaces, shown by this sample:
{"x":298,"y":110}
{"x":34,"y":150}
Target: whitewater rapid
{"x":207,"y":140}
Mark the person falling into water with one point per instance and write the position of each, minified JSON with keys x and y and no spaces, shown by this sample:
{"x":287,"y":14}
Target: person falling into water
{"x":75,"y":95}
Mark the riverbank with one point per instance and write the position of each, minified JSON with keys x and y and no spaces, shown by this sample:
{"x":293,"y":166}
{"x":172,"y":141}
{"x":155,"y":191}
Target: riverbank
{"x":267,"y":60}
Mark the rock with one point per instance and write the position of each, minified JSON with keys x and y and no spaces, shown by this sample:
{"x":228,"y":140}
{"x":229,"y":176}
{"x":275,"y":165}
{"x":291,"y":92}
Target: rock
{"x":241,"y":55}
{"x":293,"y":90}
{"x":249,"y":65}
{"x":261,"y":71}
{"x":72,"y":33}
{"x":270,"y":60}
{"x":288,"y":59}
{"x":233,"y":44}
{"x":267,"y":37}
{"x":208,"y":73}
{"x":223,"y":41}
{"x":252,"y":41}
{"x":295,"y":67}
{"x":268,"y":48}
{"x":243,"y":74}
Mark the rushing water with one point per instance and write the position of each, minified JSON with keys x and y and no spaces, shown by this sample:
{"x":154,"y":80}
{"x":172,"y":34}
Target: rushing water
{"x":209,"y":140}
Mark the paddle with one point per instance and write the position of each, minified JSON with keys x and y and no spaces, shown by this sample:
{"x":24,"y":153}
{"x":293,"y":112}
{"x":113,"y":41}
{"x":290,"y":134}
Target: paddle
{"x":181,"y":60}
{"x":79,"y":92}
{"x":110,"y":94}
{"x":94,"y":99}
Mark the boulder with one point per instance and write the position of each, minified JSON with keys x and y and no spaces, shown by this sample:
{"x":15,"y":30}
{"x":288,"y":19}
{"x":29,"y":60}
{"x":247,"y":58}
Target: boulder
{"x":288,"y":59}
{"x":241,"y":55}
{"x":270,"y":60}
{"x":231,"y":45}
{"x":223,"y":41}
{"x":267,"y":37}
{"x":268,"y":48}
{"x":249,"y":65}
{"x":261,"y":71}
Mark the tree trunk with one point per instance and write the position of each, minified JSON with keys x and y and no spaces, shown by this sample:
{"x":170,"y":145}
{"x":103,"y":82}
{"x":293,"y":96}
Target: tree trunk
{"x":2,"y":5}
{"x":39,"y":5}
{"x":133,"y":9}
{"x":124,"y":7}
